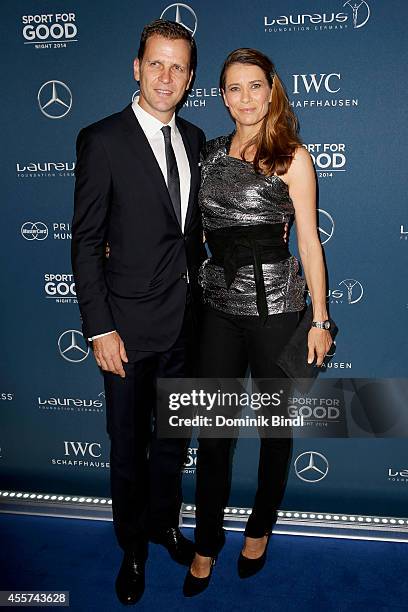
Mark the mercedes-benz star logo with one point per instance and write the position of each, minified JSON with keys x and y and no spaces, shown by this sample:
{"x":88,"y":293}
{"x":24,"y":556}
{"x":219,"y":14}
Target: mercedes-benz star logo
{"x":311,"y":466}
{"x":34,"y":230}
{"x":182,"y":14}
{"x":72,"y":346}
{"x":326,"y":225}
{"x":355,"y":290}
{"x":54,"y":99}
{"x":361,"y":12}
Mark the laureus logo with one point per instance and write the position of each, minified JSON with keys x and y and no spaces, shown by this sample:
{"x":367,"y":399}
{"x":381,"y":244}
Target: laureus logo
{"x":44,"y":169}
{"x":360,"y":12}
{"x":354,"y":289}
{"x":71,"y":404}
{"x":398,"y":475}
{"x":350,"y":291}
{"x":355,"y":14}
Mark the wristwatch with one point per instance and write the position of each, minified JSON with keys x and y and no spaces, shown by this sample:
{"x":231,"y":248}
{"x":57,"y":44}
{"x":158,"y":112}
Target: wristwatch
{"x":321,"y":324}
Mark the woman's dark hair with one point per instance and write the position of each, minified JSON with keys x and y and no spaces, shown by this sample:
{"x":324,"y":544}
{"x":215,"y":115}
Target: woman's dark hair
{"x":170,"y":30}
{"x":277,"y":139}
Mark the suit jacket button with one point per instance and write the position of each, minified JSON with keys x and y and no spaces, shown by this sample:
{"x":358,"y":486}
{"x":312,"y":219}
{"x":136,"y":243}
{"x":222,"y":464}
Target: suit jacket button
{"x":183,"y":276}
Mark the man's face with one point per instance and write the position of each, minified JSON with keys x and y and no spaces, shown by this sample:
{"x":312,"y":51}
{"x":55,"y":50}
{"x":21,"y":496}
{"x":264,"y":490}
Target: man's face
{"x":164,"y":75}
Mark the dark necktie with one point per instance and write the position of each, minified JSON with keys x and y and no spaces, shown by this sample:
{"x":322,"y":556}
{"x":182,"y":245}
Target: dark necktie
{"x":173,"y":179}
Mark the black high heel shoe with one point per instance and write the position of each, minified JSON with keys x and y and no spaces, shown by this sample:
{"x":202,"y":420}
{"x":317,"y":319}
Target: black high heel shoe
{"x":194,"y":586}
{"x":249,"y":567}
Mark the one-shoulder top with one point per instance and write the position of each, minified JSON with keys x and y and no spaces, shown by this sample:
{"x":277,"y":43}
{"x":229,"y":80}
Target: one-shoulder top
{"x":243,"y":215}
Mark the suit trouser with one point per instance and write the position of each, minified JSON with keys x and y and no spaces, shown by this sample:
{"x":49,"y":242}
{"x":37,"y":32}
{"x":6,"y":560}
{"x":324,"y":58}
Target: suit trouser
{"x":145,"y":471}
{"x":229,"y":344}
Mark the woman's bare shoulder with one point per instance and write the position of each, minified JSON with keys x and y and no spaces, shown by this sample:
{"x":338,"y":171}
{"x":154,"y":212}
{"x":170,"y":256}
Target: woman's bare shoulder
{"x":302,"y":163}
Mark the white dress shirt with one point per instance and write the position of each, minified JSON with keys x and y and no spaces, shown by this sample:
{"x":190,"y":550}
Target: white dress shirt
{"x":152,"y":130}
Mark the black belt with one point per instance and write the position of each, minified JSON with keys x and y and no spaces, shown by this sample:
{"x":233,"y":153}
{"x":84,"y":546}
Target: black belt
{"x":234,"y":247}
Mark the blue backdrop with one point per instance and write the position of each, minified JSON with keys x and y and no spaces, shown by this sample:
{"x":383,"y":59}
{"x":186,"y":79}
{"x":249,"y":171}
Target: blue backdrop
{"x":67,"y":64}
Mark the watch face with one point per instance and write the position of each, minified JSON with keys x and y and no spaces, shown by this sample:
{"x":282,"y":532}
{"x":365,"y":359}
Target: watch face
{"x":326,"y":325}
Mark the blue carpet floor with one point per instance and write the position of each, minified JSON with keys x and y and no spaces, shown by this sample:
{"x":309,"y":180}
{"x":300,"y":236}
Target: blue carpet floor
{"x":302,"y":573}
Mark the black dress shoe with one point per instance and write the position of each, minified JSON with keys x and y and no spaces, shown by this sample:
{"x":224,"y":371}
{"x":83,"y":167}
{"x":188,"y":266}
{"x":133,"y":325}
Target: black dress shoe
{"x":249,"y":567}
{"x":130,"y":582}
{"x":180,"y":549}
{"x":194,"y":586}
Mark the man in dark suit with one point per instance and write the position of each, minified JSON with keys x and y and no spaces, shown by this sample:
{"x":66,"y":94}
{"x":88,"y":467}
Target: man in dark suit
{"x":137,"y":178}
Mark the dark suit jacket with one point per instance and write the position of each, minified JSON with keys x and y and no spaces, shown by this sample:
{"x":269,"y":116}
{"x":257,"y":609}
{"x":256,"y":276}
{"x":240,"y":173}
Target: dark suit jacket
{"x":121,"y":198}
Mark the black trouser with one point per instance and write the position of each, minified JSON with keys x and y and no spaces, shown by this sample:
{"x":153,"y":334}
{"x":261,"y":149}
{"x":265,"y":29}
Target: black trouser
{"x":229,"y":343}
{"x":145,"y":471}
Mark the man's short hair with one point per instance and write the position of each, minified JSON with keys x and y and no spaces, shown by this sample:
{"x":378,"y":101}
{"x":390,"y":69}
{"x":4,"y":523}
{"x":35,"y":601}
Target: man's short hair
{"x":170,"y":30}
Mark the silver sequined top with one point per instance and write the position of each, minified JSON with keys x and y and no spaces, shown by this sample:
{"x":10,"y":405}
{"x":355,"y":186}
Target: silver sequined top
{"x":233,"y":194}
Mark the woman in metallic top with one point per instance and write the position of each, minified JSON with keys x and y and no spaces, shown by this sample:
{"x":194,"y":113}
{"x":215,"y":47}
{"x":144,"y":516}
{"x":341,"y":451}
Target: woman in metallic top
{"x":254,"y":181}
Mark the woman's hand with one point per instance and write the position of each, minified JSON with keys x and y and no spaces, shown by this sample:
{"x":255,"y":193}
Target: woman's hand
{"x":319,"y":342}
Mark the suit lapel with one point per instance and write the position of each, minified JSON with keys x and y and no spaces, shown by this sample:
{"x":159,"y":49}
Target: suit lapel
{"x":194,"y":173}
{"x":142,"y":149}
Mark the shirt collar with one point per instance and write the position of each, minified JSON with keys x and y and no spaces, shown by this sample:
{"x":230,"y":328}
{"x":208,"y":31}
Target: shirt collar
{"x":149,"y":124}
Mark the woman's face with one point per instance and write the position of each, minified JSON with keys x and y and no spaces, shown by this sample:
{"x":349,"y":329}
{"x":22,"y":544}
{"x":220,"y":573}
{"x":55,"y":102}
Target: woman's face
{"x":247,"y":94}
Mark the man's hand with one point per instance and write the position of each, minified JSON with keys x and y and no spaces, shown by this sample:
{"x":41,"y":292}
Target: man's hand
{"x":109,"y":353}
